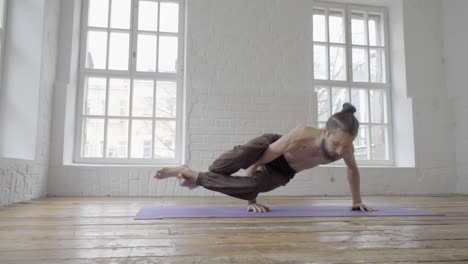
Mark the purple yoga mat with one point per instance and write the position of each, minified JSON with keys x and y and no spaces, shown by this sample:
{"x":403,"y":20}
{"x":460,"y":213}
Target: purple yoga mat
{"x":157,"y":212}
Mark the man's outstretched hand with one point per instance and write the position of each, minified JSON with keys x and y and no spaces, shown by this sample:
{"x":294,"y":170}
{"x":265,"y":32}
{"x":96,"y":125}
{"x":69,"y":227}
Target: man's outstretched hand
{"x":362,"y":207}
{"x":257,"y":208}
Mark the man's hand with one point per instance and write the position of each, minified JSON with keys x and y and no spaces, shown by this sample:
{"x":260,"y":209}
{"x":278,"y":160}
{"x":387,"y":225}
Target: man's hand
{"x":251,"y":170}
{"x":362,"y":207}
{"x":257,"y":208}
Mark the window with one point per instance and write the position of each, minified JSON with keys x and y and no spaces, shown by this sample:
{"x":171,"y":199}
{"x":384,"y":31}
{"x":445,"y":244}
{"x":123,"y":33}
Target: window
{"x":130,"y":82}
{"x":350,"y":54}
{"x":2,"y":35}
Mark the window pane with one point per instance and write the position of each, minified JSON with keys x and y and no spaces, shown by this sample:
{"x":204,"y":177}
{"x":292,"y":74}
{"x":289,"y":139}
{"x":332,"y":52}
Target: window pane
{"x":169,"y":17}
{"x":93,"y":138}
{"x":358,"y":33}
{"x":117,"y":138}
{"x":166,"y":101}
{"x":148,"y":16}
{"x":120,"y":14}
{"x":339,"y":97}
{"x":379,"y":142}
{"x":119,"y":97}
{"x":336,"y":26}
{"x":319,"y":25}
{"x":359,"y":100}
{"x":98,"y":12}
{"x":118,"y":51}
{"x":323,"y":102}
{"x":378,"y":103}
{"x":361,"y":146}
{"x":167,"y":54}
{"x":164,"y":141}
{"x":142,"y":98}
{"x":337,"y":63}
{"x":320,"y":62}
{"x":377,"y":65}
{"x":376,"y":36}
{"x":142,"y":131}
{"x":96,"y":49}
{"x":360,"y":68}
{"x":146,"y":53}
{"x":95,"y":94}
{"x":132,"y":116}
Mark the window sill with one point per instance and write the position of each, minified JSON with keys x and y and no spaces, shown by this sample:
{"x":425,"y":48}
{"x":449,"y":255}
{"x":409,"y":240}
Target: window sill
{"x":98,"y":165}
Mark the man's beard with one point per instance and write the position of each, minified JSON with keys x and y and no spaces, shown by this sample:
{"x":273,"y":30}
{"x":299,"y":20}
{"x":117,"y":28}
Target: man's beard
{"x":327,"y":155}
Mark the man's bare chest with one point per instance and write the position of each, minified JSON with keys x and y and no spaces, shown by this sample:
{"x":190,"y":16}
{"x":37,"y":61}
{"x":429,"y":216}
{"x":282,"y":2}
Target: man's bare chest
{"x":305,"y":156}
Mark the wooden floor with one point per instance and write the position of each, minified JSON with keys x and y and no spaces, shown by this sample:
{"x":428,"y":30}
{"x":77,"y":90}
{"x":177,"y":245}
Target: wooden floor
{"x":102,"y":230}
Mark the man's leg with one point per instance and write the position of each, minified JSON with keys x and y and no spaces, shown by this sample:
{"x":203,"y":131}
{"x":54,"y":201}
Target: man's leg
{"x":219,"y":177}
{"x":244,"y":188}
{"x":242,"y":156}
{"x":270,"y":179}
{"x":247,"y":188}
{"x":240,"y":187}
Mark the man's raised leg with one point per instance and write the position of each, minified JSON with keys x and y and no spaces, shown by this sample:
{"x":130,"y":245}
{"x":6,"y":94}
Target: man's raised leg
{"x":231,"y":161}
{"x":236,"y":186}
{"x":242,"y":156}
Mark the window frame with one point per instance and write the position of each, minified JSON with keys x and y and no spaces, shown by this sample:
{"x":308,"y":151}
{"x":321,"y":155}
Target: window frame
{"x":349,"y":84}
{"x":131,"y":74}
{"x":2,"y":39}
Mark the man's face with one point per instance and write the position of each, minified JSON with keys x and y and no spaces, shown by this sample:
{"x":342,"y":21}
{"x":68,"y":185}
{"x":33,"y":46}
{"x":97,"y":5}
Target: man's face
{"x":336,"y":142}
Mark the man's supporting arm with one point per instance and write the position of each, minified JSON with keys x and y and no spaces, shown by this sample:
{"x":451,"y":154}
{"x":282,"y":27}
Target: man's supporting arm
{"x":354,"y":182}
{"x":273,"y":151}
{"x":353,"y":175}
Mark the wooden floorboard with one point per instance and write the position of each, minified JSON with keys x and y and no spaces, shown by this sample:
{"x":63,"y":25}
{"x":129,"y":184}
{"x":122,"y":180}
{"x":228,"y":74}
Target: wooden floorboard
{"x":102,"y":230}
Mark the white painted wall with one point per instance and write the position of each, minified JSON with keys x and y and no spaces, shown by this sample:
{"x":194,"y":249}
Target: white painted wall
{"x":248,"y":72}
{"x":402,"y":109}
{"x":19,"y":100}
{"x":432,"y":108}
{"x":456,"y":71}
{"x":33,"y":76}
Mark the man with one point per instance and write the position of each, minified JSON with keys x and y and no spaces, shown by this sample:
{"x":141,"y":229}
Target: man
{"x":272,"y":160}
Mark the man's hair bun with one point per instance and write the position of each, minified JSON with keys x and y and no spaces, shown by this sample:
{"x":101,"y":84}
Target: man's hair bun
{"x":345,"y":120}
{"x":347,"y":107}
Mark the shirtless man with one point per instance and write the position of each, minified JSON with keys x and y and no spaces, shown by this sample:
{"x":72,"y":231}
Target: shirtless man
{"x":272,"y":160}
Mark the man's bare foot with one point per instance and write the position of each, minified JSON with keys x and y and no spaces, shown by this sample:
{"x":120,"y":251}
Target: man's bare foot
{"x":184,"y":182}
{"x":170,"y":172}
{"x":186,"y":176}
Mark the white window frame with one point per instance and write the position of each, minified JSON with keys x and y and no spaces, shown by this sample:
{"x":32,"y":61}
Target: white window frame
{"x":131,"y":74}
{"x":349,"y":83}
{"x":3,"y":9}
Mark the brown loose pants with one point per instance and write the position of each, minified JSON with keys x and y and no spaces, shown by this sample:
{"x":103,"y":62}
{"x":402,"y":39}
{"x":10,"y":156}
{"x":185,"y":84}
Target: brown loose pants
{"x":269,"y":176}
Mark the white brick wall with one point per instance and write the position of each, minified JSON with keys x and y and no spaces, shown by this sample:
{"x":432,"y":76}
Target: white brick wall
{"x":249,"y":76}
{"x":24,"y":180}
{"x":249,"y":72}
{"x":226,"y":121}
{"x":238,"y":88}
